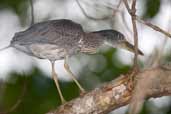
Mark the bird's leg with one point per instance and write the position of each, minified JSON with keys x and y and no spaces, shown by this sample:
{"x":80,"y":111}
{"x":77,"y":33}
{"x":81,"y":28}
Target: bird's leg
{"x":66,"y":66}
{"x":55,"y":78}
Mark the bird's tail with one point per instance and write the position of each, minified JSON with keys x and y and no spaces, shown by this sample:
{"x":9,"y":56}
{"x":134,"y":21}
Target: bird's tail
{"x":126,"y":45}
{"x":5,"y":48}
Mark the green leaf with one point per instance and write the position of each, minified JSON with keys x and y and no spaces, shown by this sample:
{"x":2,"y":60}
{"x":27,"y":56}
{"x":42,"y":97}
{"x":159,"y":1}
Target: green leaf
{"x":152,"y":8}
{"x":19,"y":7}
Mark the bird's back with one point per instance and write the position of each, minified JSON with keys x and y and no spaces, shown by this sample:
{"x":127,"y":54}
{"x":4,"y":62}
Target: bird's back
{"x":65,"y":31}
{"x":57,"y":32}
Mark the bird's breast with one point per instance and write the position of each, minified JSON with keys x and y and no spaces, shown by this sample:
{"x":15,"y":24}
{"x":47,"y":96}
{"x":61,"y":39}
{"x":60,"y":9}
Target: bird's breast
{"x":48,"y":51}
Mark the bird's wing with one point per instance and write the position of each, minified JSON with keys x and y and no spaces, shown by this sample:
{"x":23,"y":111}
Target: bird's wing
{"x":52,"y":32}
{"x":62,"y":31}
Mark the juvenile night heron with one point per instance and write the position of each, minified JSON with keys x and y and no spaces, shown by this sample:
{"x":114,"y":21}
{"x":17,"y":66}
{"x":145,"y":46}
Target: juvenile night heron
{"x":60,"y":39}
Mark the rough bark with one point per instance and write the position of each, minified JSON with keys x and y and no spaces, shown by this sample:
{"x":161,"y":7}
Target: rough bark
{"x":153,"y":82}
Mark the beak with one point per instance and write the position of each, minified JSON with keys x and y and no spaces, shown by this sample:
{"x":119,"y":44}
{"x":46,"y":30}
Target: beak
{"x":126,"y":45}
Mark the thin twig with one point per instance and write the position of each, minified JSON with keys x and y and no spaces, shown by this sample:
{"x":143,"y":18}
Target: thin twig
{"x":135,"y":33}
{"x":132,"y":12}
{"x":125,"y":22}
{"x":115,"y":11}
{"x":32,"y":12}
{"x":155,"y":27}
{"x":160,"y":50}
{"x":127,"y":5}
{"x":19,"y":99}
{"x":90,"y":17}
{"x":117,"y":8}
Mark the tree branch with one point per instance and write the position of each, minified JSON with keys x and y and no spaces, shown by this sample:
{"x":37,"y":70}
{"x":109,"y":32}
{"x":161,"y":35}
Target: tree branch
{"x":156,"y":82}
{"x":154,"y":27}
{"x":19,"y":99}
{"x":133,"y":18}
{"x":132,"y":12}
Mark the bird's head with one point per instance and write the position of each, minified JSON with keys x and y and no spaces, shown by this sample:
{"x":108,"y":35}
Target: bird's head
{"x":116,"y":39}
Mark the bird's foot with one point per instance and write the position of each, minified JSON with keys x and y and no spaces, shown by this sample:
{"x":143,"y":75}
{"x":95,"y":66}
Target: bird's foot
{"x":83,"y":92}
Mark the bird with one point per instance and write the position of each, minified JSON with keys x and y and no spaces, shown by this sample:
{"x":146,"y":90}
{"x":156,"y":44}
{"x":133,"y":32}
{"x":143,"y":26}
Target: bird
{"x":114,"y":39}
{"x":60,"y":39}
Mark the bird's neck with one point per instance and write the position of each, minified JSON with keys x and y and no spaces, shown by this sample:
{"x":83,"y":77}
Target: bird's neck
{"x":97,"y":39}
{"x":109,"y":42}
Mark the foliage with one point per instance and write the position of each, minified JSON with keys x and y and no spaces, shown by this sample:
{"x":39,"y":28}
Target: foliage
{"x":20,"y":7}
{"x":39,"y":91}
{"x":151,"y":8}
